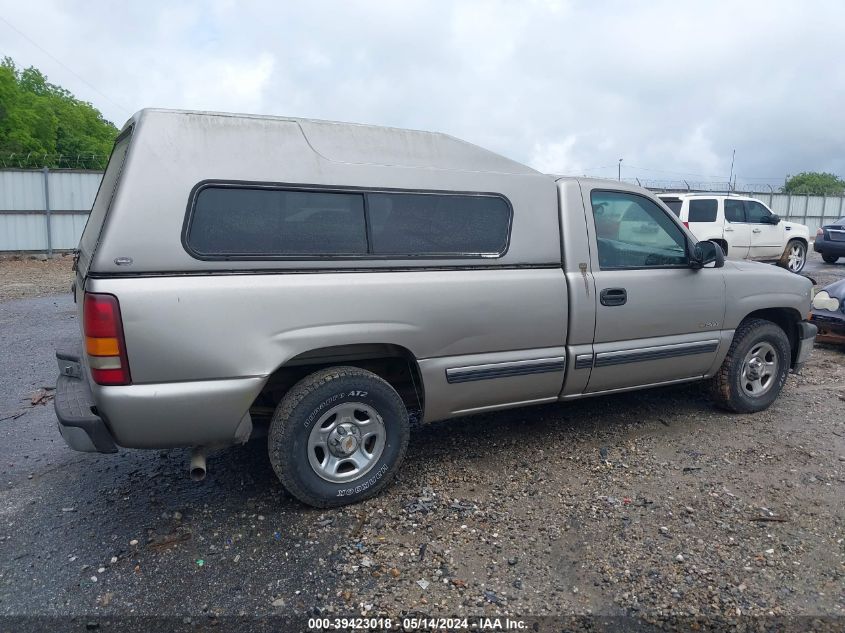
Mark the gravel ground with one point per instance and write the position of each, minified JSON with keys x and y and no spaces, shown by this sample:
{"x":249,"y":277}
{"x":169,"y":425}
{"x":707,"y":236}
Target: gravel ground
{"x":651,"y":504}
{"x":21,"y":278}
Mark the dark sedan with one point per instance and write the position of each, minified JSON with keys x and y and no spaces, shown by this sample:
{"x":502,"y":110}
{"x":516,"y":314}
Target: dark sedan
{"x":830,"y":241}
{"x":828,"y":312}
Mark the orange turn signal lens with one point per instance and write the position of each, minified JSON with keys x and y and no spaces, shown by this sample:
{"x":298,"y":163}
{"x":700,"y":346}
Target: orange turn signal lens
{"x":102,"y":346}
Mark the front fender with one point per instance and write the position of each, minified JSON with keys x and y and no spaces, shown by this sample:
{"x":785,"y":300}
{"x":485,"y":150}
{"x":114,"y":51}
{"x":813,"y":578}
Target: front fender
{"x":753,"y":286}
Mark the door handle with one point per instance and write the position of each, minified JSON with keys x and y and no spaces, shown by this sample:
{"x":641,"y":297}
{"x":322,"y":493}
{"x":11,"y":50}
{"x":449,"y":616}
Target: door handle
{"x":613,"y":296}
{"x":756,"y":230}
{"x":729,"y":230}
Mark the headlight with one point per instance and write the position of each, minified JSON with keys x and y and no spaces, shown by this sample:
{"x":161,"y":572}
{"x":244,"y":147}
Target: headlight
{"x":823,"y":301}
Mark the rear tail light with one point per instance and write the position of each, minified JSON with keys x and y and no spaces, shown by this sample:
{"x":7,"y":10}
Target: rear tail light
{"x":819,"y":232}
{"x":686,"y":224}
{"x":104,"y":340}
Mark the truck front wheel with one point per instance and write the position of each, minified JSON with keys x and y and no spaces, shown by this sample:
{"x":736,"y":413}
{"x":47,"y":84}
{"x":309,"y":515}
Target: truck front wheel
{"x":338,"y":437}
{"x":754,"y":371}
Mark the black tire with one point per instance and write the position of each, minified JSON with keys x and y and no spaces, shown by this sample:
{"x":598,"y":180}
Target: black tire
{"x":829,"y":259}
{"x":727,"y":386}
{"x":300,"y":410}
{"x":784,"y":258}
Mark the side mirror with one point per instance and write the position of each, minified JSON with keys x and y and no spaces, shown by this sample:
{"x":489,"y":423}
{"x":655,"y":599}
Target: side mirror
{"x":775,"y":219}
{"x":707,"y":252}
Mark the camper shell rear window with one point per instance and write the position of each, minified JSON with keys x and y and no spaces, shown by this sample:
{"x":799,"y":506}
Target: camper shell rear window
{"x":234,"y":221}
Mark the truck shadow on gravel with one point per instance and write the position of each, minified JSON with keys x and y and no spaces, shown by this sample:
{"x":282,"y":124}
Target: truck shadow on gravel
{"x":134,"y":495}
{"x":552,"y":427}
{"x":243,"y":471}
{"x":238,"y":476}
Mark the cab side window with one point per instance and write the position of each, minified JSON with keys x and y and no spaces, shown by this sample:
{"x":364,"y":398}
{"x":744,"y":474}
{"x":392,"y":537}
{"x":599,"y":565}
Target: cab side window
{"x":756,"y":213}
{"x":734,"y":211}
{"x":634,"y":232}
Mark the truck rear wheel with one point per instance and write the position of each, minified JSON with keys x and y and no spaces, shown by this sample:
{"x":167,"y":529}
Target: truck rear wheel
{"x":754,"y":371}
{"x":794,"y":256}
{"x":338,"y":437}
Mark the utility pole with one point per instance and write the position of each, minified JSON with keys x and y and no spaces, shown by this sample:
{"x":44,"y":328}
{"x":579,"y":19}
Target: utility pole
{"x":619,"y":171}
{"x":731,"y":177}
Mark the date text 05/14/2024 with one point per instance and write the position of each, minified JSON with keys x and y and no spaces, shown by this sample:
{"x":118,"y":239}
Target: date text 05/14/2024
{"x":417,"y":624}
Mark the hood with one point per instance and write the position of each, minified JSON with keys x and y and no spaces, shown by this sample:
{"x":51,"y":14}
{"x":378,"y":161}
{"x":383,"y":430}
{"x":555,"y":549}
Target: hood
{"x":836,"y":289}
{"x":760,"y":267}
{"x":795,"y":228}
{"x":751,"y":286}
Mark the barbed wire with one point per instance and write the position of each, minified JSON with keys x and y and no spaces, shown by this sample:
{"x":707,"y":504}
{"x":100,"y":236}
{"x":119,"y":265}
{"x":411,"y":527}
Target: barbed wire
{"x":743,"y":187}
{"x":690,"y":185}
{"x":36,"y":160}
{"x":716,"y":187}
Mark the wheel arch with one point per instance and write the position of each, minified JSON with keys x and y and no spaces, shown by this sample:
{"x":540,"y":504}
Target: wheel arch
{"x":786,"y":319}
{"x":396,"y":364}
{"x":798,"y":238}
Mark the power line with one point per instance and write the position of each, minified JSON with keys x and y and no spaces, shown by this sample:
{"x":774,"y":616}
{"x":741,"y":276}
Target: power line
{"x":597,"y":168}
{"x":677,"y":173}
{"x":65,"y":66}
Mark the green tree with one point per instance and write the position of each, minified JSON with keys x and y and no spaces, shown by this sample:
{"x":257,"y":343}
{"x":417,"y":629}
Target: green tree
{"x":815,"y":182}
{"x":44,"y":125}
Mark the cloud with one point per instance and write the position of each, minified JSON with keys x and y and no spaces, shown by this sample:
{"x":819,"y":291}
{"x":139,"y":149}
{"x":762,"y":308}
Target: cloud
{"x":224,"y":84}
{"x":556,"y":157}
{"x":670,"y":87}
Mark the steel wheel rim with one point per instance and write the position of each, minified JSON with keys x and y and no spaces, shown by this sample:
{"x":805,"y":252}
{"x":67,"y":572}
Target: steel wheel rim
{"x":759,"y":369}
{"x":346,"y":442}
{"x":796,"y":258}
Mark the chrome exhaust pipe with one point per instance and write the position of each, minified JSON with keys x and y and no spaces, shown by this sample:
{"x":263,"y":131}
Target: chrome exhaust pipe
{"x":198,"y":467}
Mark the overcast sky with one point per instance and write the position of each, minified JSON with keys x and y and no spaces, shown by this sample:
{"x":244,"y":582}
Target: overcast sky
{"x":567,"y":87}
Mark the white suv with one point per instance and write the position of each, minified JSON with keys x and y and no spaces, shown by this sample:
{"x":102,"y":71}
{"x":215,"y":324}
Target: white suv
{"x":745,"y":228}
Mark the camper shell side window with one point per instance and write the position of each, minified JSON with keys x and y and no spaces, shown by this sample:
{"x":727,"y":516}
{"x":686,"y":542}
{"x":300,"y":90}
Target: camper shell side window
{"x":241,"y":221}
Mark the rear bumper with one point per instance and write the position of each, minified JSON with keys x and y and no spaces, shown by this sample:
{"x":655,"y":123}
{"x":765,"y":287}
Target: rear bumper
{"x":806,"y":338}
{"x":172,"y":414}
{"x":94,"y":418}
{"x":829,"y":247}
{"x":81,"y":428}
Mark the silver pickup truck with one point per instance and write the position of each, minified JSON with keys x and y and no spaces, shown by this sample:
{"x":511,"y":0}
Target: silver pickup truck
{"x":314,"y":282}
